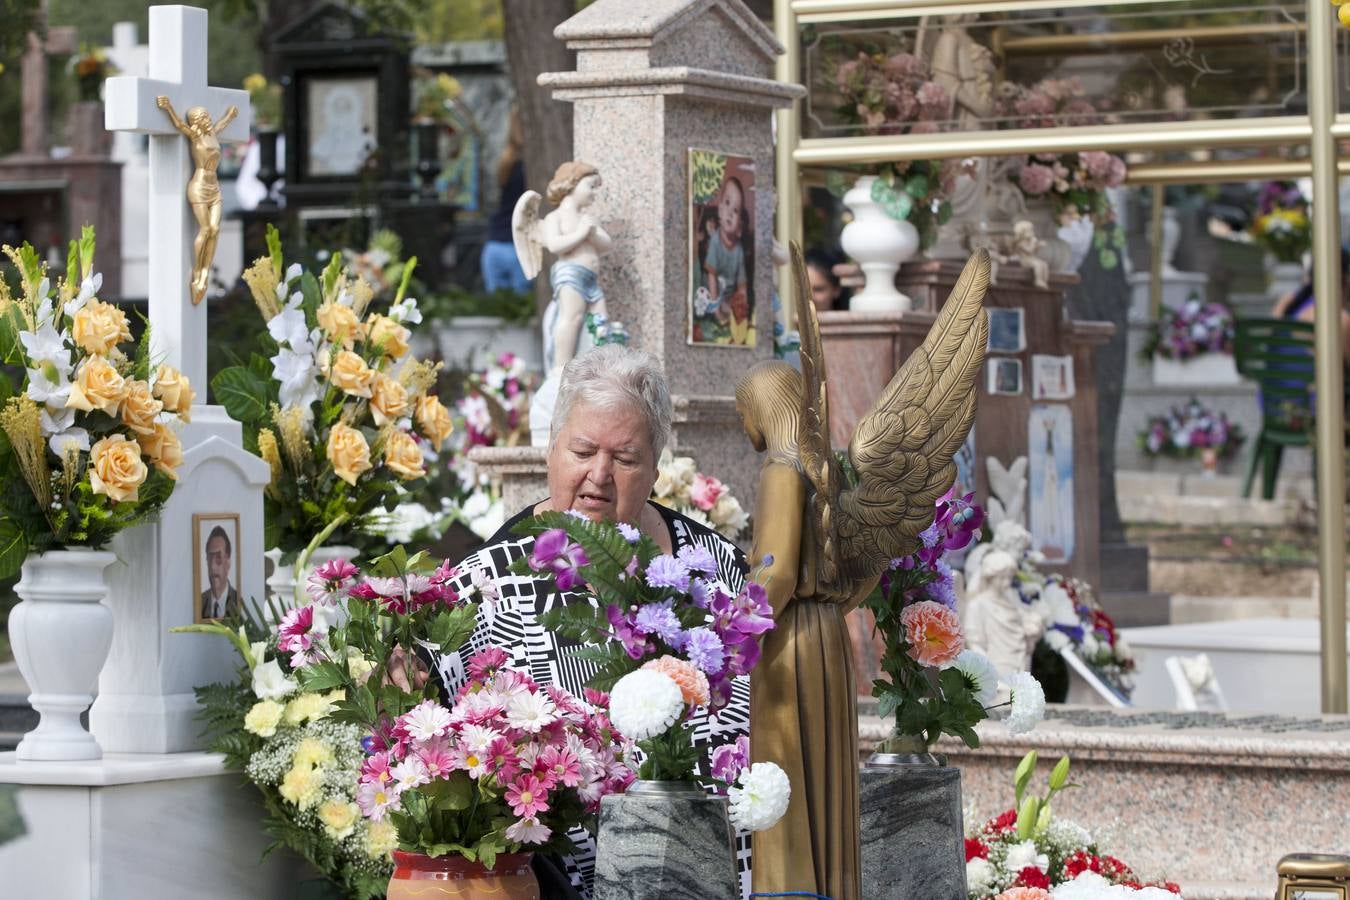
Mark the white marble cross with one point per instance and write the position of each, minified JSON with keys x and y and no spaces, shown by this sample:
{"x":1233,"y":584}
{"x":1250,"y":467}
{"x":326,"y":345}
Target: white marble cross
{"x":178,"y":71}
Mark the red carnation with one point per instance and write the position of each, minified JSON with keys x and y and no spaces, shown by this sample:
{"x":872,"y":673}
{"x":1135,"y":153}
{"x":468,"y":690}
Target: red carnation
{"x":1033,"y":877}
{"x":1172,"y":886}
{"x":1080,"y":861}
{"x":975,"y":849}
{"x":1115,"y":870}
{"x":1005,"y":822}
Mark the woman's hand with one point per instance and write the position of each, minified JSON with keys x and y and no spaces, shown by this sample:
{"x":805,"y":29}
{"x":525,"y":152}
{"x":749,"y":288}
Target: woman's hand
{"x":396,"y":671}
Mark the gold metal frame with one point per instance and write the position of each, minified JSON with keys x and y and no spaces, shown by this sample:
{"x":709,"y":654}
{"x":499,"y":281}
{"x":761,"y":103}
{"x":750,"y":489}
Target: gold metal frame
{"x":1319,"y":131}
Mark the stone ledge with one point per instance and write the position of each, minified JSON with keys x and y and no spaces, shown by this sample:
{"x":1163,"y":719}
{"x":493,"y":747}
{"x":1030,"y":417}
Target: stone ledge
{"x":742,"y":89}
{"x":112,"y":769}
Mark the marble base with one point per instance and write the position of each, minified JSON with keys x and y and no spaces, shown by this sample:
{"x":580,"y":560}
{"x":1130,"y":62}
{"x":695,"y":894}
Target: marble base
{"x":1177,"y":288}
{"x":140,"y":825}
{"x":912,"y":837}
{"x":665,"y":848}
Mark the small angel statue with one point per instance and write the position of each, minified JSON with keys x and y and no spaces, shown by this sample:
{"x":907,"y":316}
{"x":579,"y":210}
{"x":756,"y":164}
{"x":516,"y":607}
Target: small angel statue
{"x":1024,"y":247}
{"x":996,"y":621}
{"x":826,"y":544}
{"x":576,"y":319}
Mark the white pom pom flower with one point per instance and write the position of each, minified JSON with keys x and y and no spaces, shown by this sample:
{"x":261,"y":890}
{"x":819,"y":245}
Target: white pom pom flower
{"x":1028,"y":702}
{"x":644,"y":704}
{"x":981,"y":672}
{"x":760,"y":797}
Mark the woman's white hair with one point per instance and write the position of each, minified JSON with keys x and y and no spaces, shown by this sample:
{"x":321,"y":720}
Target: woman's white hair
{"x":613,"y":375}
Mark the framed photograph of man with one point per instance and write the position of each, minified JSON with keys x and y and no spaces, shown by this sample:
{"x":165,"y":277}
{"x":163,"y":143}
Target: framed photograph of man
{"x":340,"y":125}
{"x":217,"y":568}
{"x":721,"y":249}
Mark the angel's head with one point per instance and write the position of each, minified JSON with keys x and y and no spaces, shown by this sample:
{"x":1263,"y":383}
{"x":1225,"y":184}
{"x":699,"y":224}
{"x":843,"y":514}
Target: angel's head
{"x":582,"y":178}
{"x":769,"y":399}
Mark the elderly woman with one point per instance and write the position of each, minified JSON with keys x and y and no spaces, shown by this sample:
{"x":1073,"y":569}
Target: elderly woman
{"x":610,"y":424}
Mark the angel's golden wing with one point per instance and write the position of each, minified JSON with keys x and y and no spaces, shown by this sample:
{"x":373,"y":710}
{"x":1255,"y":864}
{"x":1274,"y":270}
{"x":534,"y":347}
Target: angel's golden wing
{"x":902,"y":450}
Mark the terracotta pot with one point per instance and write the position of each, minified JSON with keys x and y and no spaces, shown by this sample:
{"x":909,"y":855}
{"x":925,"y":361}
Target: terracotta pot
{"x":421,"y":876}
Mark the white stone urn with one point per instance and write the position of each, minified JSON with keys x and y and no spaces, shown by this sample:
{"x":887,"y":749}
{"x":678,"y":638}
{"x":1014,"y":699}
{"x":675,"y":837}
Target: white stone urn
{"x":283,"y":588}
{"x":1282,"y":278}
{"x":61,"y":633}
{"x":880,"y":244}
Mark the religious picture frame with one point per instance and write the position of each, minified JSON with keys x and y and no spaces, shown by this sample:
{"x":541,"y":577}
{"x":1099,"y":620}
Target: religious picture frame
{"x":1004,"y":377}
{"x":217,"y":566}
{"x":721,"y":249}
{"x":341,"y":124}
{"x":1051,"y":377}
{"x":1050,"y":486}
{"x":1007,"y":330}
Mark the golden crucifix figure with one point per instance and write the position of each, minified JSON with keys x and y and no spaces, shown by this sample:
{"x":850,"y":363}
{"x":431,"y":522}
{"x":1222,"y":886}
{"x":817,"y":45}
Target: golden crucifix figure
{"x":203,"y":191}
{"x":830,"y":541}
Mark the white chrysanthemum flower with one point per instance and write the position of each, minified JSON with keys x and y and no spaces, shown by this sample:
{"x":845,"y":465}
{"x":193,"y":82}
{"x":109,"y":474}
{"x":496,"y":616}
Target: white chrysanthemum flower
{"x":978,"y":669}
{"x":1090,"y":886}
{"x":270,"y":683}
{"x":979,"y":876}
{"x":427,"y":720}
{"x":1028,"y":702}
{"x":760,"y":797}
{"x":644,"y":704}
{"x":1024,"y":856}
{"x":410,"y":773}
{"x":531,"y":712}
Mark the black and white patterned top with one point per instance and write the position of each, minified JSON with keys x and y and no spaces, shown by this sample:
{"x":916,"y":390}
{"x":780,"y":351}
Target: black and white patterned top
{"x":512,"y":623}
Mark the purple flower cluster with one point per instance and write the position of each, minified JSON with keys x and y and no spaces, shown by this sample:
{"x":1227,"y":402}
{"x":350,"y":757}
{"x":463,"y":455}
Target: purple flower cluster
{"x":1187,"y":430}
{"x":924,"y":575}
{"x":1280,"y":195}
{"x":556,"y":554}
{"x":1194,"y":329}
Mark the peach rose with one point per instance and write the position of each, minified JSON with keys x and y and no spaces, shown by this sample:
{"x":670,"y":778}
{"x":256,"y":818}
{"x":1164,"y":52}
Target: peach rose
{"x":388,"y":399}
{"x":693,"y":683}
{"x":388,"y":335}
{"x":99,"y":327}
{"x":434,"y":420}
{"x":339,"y":323}
{"x":97,"y":386}
{"x":348,"y":452}
{"x":933,"y":632}
{"x":1024,"y":893}
{"x":350,"y":374}
{"x":163,"y":449}
{"x":139,"y":407}
{"x":172,"y":387}
{"x":116,"y":469}
{"x":402,"y":454}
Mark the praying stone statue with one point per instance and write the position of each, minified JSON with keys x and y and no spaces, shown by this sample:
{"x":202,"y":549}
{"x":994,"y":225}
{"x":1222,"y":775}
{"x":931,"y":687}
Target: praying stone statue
{"x":996,"y":621}
{"x":1023,"y":247}
{"x":1009,"y":537}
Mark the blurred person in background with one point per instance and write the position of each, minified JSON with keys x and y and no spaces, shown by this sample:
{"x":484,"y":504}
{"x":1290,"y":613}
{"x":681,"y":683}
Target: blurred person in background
{"x":500,"y":268}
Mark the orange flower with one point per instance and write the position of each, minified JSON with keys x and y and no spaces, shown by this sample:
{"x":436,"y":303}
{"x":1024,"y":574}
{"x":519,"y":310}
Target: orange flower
{"x":1024,"y":893}
{"x":933,"y":632}
{"x":693,"y":683}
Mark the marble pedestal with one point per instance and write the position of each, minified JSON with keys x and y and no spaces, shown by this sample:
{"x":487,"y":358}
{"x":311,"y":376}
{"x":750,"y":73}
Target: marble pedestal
{"x":665,"y":847}
{"x":912,"y":837}
{"x":148,"y":826}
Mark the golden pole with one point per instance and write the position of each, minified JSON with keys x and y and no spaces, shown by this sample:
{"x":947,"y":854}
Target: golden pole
{"x":787,"y":177}
{"x":1156,"y":261}
{"x":1329,"y":405}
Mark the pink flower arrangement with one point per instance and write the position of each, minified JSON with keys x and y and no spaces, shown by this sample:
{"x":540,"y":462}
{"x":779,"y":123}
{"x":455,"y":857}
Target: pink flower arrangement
{"x":933,"y":632}
{"x":706,"y":491}
{"x":891,"y":94}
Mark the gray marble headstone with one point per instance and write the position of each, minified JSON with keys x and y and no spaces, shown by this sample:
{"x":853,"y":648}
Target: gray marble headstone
{"x":665,"y":848}
{"x":913,"y":845}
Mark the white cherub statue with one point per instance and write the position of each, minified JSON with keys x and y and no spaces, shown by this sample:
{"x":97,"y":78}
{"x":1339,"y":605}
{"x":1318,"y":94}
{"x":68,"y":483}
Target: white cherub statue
{"x":1009,"y":537}
{"x":576,"y":319}
{"x":1024,"y":247}
{"x":996,"y":621}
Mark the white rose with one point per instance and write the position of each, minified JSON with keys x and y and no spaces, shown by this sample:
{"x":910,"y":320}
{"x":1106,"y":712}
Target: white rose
{"x":979,"y":876}
{"x":269,"y":683}
{"x":1024,"y":855}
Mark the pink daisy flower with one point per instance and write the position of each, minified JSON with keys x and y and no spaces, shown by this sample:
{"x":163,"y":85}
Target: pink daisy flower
{"x":527,"y":797}
{"x":528,"y":831}
{"x":562,"y":765}
{"x":503,"y":760}
{"x":374,"y":799}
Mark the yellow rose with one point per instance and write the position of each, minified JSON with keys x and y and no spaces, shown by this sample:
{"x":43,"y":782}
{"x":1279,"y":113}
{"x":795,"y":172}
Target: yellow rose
{"x":402,"y":454}
{"x":339,"y":323}
{"x":434,"y":419}
{"x":388,"y":399}
{"x":349,"y":373}
{"x":263,"y":718}
{"x":302,"y":786}
{"x":388,"y":335}
{"x":163,"y":448}
{"x":97,"y":386}
{"x":116,"y":469}
{"x":381,"y":839}
{"x":348,"y":452}
{"x":172,"y":387}
{"x":338,"y":818}
{"x":139,"y":407}
{"x":98,"y":327}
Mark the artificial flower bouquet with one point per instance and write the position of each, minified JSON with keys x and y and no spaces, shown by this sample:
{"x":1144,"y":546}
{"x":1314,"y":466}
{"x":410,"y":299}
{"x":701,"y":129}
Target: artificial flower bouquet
{"x":1194,"y":329}
{"x":1078,"y":621}
{"x":1283,"y":227}
{"x":934,"y":685}
{"x":496,"y":404}
{"x":436,"y":98}
{"x":264,"y":100}
{"x":893,"y":94}
{"x":1026,"y":853}
{"x":703,"y":498}
{"x":90,"y":444}
{"x":1188,"y":431}
{"x":91,"y":68}
{"x":341,"y":411}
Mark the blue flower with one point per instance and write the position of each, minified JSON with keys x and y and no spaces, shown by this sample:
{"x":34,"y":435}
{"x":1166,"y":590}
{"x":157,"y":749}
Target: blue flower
{"x":630,"y":534}
{"x":667,"y":571}
{"x":698,"y":559}
{"x":704,"y":649}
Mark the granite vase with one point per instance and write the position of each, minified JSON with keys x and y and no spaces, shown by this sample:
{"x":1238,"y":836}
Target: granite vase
{"x":416,"y":875}
{"x":913,"y":842}
{"x":665,"y":841}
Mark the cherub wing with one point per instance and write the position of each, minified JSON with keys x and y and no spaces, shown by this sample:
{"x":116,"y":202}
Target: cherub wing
{"x":526,"y":233}
{"x":902,"y":450}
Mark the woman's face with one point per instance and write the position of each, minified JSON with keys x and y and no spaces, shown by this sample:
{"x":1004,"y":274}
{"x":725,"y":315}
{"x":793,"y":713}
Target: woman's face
{"x":602,"y":464}
{"x":729,"y":210}
{"x":823,"y":292}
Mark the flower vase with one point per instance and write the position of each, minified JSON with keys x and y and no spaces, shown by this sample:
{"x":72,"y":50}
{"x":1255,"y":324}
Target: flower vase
{"x":428,"y":156}
{"x":415,"y":875}
{"x":1054,"y":249}
{"x":88,"y":137}
{"x":913,"y":841}
{"x":665,"y":839}
{"x":880,"y":244}
{"x":61,"y":633}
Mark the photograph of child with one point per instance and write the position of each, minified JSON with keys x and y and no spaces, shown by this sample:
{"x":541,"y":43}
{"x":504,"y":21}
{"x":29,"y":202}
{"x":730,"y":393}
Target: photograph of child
{"x":722,"y":247}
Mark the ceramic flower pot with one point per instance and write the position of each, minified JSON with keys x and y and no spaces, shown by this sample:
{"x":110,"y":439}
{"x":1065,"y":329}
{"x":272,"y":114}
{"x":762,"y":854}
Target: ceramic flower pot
{"x":415,"y":875}
{"x":665,"y":839}
{"x":61,"y":634}
{"x":913,"y":841}
{"x":880,"y":244}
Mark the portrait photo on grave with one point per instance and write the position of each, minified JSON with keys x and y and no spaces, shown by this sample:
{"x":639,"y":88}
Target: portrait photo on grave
{"x":217,"y":568}
{"x":1050,"y":491}
{"x":1007,"y":330}
{"x":340,"y":121}
{"x":721,"y":249}
{"x":1051,"y":377}
{"x":1005,"y":376}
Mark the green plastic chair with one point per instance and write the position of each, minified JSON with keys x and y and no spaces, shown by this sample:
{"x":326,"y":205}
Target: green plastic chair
{"x":1278,"y":355}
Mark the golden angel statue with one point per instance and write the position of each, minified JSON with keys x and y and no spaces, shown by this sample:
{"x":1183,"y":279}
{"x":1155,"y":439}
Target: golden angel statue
{"x":828,"y":541}
{"x":203,"y":191}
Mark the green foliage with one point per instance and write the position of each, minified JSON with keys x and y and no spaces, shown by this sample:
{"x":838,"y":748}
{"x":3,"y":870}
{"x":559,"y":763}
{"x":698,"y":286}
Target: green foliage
{"x":671,"y":756}
{"x":455,"y":302}
{"x":246,"y":396}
